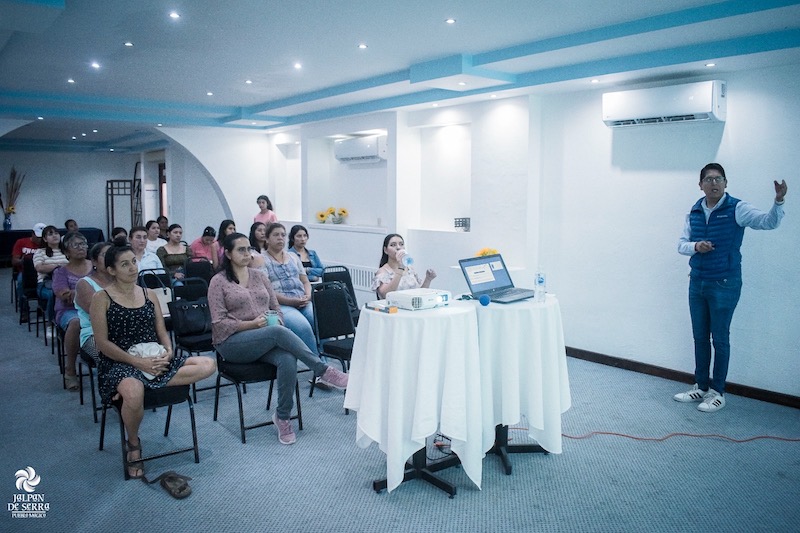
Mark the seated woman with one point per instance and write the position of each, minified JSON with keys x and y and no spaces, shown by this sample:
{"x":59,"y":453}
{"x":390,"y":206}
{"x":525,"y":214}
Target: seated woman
{"x":265,"y":213}
{"x":122,"y":315}
{"x":238,"y":298}
{"x":288,"y":278}
{"x":65,"y":280}
{"x":174,"y":254}
{"x":392,"y":274}
{"x":207,"y":247}
{"x":97,"y":280}
{"x":46,"y":259}
{"x":298,"y":238}
{"x":154,"y":242}
{"x":226,"y":227}
{"x":258,"y":243}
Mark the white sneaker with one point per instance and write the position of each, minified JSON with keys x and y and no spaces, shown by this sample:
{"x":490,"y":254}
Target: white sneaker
{"x":694,"y":395}
{"x":712,"y":401}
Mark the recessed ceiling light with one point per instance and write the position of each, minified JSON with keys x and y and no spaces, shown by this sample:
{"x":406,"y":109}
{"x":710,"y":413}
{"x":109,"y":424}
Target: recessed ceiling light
{"x":434,"y":105}
{"x":493,"y":96}
{"x":248,"y":82}
{"x":83,"y":135}
{"x":74,"y":138}
{"x":252,"y":123}
{"x":70,"y":80}
{"x":95,"y":64}
{"x":94,"y":131}
{"x":128,"y":44}
{"x":298,"y":66}
{"x":362,"y":46}
{"x":711,"y":64}
{"x":462,"y":83}
{"x":110,"y":149}
{"x":159,"y":124}
{"x":450,"y":21}
{"x":39,"y":118}
{"x":174,"y":15}
{"x":209,"y":93}
{"x":595,"y":80}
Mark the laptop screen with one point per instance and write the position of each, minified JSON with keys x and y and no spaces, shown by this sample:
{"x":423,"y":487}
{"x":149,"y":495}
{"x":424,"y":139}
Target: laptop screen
{"x":485,"y":274}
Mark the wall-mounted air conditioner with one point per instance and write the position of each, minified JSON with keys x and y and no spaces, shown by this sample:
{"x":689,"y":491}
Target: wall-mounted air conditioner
{"x":690,"y":102}
{"x":361,"y":149}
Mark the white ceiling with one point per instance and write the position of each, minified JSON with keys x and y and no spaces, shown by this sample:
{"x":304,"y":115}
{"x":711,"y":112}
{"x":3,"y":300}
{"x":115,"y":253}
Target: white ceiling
{"x":413,"y":58}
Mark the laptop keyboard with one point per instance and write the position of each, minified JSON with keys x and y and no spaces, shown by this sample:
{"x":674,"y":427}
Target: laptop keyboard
{"x":511,"y":293}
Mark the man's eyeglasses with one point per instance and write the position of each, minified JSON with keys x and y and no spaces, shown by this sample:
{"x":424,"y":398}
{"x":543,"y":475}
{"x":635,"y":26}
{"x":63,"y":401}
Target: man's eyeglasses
{"x":78,"y":245}
{"x":713,"y":179}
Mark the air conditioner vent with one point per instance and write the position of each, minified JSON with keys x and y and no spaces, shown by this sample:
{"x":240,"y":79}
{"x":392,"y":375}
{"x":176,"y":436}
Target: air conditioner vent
{"x":690,"y":102}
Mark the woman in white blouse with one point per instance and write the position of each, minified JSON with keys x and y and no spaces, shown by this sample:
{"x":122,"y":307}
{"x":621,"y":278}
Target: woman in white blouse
{"x":392,"y":274}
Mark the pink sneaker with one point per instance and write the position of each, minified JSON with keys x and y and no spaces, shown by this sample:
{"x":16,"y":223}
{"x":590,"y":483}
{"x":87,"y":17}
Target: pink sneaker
{"x":334,"y":378}
{"x":285,"y":432}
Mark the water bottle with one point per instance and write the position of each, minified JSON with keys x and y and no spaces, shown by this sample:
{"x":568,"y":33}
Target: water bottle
{"x":407,"y":260}
{"x":540,"y":286}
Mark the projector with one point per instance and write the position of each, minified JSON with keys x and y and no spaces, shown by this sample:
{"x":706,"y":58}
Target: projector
{"x":417,"y":299}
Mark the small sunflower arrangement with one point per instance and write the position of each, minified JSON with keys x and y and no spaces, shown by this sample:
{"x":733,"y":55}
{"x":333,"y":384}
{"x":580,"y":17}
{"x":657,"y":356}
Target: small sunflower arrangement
{"x":335,"y":215}
{"x":483,"y":252}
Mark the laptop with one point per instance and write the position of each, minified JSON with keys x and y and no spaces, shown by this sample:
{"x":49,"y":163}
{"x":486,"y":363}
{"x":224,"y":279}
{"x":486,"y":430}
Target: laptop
{"x":488,"y":275}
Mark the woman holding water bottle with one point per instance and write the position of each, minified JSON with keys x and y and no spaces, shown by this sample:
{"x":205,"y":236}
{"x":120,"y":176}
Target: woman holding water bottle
{"x":396,"y":272}
{"x":243,"y":330}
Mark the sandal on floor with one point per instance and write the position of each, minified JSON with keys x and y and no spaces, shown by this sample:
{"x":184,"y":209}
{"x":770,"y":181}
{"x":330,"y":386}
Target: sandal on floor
{"x":137,"y":464}
{"x":174,"y":483}
{"x":71,"y":382}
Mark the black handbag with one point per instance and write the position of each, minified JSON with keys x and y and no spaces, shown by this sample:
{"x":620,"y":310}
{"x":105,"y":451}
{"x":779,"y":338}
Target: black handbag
{"x":190,"y":317}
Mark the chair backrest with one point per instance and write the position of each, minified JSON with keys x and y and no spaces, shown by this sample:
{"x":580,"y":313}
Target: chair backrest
{"x":29,"y":275}
{"x":341,"y":274}
{"x":199,"y":267}
{"x":192,"y":289}
{"x":153,"y":278}
{"x":332,"y":316}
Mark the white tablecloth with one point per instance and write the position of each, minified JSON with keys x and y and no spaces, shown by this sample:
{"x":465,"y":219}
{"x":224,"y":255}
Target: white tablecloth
{"x":413,"y":373}
{"x":524,"y":369}
{"x":460,"y":370}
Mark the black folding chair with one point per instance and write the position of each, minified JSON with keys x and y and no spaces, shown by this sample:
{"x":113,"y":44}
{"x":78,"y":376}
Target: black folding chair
{"x":333,"y":324}
{"x":198,"y":267}
{"x":341,"y":274}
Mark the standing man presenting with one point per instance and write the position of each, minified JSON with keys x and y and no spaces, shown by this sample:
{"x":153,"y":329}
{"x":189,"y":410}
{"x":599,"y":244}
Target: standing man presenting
{"x":712,"y":237}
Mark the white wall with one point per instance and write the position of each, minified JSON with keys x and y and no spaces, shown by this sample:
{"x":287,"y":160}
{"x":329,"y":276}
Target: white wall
{"x":613,"y":206}
{"x":236,"y":163}
{"x":59,"y":186}
{"x":549,"y":184}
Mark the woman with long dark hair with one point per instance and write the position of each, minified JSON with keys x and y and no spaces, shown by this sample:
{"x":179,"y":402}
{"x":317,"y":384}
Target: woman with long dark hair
{"x":298,"y":238}
{"x":122,"y":316}
{"x":393,"y":275}
{"x":239,"y":297}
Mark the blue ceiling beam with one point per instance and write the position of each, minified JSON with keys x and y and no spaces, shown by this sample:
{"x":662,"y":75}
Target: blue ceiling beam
{"x":636,"y":27}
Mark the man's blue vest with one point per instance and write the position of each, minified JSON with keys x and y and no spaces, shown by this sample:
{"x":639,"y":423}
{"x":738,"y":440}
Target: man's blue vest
{"x":725,"y":260}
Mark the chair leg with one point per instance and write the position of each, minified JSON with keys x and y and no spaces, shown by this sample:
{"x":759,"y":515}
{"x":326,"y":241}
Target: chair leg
{"x":299,"y":409}
{"x":169,"y":418}
{"x":194,"y":431}
{"x":216,"y":398}
{"x":241,"y":412}
{"x":102,"y":427}
{"x":269,"y":395}
{"x":124,"y":448}
{"x":94,"y":398}
{"x":80,"y":381}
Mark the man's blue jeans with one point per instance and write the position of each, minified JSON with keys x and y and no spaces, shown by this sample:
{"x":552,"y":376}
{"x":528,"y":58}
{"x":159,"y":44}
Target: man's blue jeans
{"x":711,"y":305}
